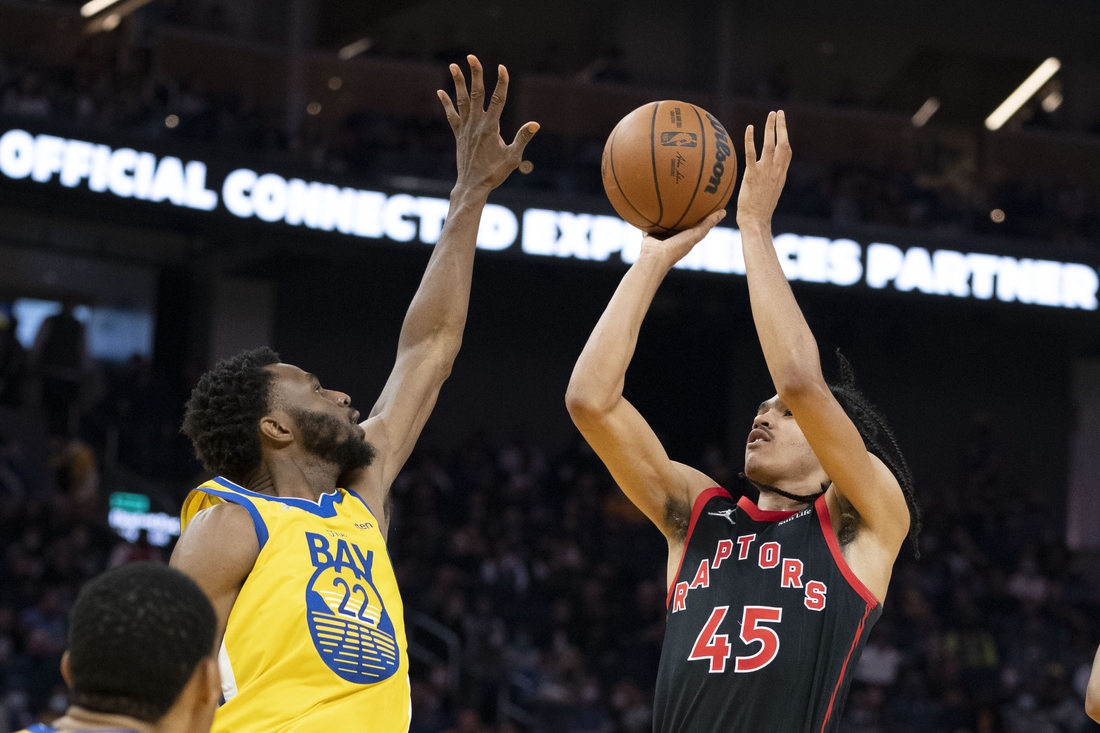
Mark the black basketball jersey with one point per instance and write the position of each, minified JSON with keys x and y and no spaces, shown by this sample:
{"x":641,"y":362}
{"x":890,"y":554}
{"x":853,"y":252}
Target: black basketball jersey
{"x":765,"y":623}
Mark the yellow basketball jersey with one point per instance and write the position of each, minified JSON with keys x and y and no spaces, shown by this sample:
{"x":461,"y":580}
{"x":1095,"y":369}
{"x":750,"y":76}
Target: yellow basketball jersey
{"x":316,"y":638}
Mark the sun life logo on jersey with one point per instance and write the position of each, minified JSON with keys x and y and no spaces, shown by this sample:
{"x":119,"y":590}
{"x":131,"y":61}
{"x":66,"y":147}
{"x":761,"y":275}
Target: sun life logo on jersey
{"x":805,"y":512}
{"x":351,"y":629}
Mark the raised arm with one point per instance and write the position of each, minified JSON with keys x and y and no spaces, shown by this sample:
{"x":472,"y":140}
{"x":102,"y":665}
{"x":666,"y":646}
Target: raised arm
{"x":660,"y":487}
{"x":432,"y":331}
{"x":792,"y":356}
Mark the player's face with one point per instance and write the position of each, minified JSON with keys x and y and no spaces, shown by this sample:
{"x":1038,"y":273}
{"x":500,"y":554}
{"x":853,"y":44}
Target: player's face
{"x":326,"y":423}
{"x":776,"y":451}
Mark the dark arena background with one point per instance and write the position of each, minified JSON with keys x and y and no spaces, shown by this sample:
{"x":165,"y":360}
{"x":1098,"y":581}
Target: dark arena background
{"x":950,"y":253}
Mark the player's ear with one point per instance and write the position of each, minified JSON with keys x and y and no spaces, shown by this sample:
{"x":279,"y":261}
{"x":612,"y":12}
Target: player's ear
{"x":67,"y":669}
{"x":276,"y":428}
{"x":211,"y":683}
{"x":200,"y":696}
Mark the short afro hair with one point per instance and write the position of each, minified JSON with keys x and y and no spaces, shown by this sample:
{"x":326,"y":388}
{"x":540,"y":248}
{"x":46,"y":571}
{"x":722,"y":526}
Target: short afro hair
{"x":136,"y":635}
{"x":224,"y":412}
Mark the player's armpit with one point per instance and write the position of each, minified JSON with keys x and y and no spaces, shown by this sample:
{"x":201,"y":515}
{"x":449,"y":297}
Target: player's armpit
{"x":859,"y":476}
{"x":663,"y":489}
{"x":218,"y":549}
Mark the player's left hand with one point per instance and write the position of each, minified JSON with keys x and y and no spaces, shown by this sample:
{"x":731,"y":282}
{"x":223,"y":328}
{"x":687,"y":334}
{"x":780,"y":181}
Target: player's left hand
{"x":484,"y":160}
{"x":764,"y":178}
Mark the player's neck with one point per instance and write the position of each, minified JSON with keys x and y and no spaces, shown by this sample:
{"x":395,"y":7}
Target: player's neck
{"x":294,"y":477}
{"x":775,"y":503}
{"x":78,"y":719}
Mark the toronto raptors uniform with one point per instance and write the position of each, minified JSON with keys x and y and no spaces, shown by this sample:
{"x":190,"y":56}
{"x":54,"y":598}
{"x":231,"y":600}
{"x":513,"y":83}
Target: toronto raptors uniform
{"x":765,"y":623}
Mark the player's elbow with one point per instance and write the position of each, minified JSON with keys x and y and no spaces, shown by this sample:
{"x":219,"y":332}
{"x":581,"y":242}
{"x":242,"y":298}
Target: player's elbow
{"x":799,"y":384}
{"x":584,"y":405}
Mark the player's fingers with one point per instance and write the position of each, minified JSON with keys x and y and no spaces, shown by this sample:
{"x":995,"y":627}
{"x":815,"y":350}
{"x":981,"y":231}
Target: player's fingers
{"x":750,"y":148}
{"x":462,"y":95}
{"x":523,"y":136}
{"x":691,"y":237}
{"x":781,"y":133}
{"x":769,"y":137}
{"x":703,"y":228}
{"x":477,"y":84}
{"x":449,"y":109}
{"x":500,"y":93}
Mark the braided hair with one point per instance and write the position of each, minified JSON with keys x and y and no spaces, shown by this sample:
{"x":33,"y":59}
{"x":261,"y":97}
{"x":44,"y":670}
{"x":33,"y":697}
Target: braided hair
{"x":879,"y":439}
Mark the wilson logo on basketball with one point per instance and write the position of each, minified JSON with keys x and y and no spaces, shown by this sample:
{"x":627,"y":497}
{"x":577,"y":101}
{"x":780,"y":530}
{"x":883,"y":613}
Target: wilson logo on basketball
{"x":679,"y":139}
{"x":721,"y":152}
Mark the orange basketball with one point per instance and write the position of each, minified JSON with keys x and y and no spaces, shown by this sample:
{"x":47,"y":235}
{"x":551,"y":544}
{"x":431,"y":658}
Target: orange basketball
{"x":667,"y":166}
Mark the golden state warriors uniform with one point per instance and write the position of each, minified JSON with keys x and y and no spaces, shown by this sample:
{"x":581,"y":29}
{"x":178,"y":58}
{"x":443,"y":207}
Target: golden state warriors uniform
{"x":316,"y":638}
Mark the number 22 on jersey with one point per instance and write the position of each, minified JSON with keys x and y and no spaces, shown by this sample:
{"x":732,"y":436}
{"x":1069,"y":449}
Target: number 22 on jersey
{"x":712,"y":647}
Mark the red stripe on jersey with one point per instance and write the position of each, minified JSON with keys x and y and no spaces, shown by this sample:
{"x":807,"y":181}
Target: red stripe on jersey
{"x":696,"y":510}
{"x":844,"y":667}
{"x":830,"y":539}
{"x":761,"y":515}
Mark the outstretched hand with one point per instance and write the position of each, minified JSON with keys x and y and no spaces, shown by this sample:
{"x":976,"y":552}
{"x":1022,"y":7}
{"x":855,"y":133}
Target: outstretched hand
{"x":484,"y":160}
{"x":764,"y":178}
{"x":676,"y":247}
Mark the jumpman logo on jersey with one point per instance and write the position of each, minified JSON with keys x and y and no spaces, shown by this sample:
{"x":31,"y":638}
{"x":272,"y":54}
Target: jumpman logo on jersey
{"x":725,"y":513}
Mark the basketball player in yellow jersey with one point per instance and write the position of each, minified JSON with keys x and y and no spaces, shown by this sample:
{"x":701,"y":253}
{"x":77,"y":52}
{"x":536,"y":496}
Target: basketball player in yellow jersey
{"x":289,"y":541}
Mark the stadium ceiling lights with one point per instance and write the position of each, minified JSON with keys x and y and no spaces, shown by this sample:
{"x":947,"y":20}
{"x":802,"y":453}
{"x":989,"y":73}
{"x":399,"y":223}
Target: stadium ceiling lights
{"x":355,"y":48}
{"x":922,"y":115}
{"x":1024,"y":92}
{"x":105,"y":15}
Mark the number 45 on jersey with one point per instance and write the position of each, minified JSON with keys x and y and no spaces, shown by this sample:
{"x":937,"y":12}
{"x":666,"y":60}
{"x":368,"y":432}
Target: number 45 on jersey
{"x":712,"y":647}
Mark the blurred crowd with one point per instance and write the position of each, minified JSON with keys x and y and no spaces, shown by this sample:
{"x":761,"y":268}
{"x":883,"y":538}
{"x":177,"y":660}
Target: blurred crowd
{"x":119,"y":88}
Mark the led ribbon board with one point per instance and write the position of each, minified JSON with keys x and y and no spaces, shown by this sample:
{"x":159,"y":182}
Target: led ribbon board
{"x":402,"y":217}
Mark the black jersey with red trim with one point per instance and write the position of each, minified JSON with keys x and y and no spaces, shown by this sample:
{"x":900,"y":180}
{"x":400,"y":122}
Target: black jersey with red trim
{"x":765,"y":623}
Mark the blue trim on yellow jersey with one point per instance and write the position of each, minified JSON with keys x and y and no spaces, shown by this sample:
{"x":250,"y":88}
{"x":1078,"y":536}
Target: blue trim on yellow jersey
{"x":257,"y":519}
{"x":325,"y":507}
{"x":40,"y":728}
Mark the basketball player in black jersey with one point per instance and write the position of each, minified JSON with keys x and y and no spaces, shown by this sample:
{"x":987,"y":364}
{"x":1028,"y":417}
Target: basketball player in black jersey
{"x":769,"y":603}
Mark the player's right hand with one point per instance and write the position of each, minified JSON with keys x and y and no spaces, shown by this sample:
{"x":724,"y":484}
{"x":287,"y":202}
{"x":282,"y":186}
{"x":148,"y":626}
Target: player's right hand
{"x":675,"y":247}
{"x":484,"y":160}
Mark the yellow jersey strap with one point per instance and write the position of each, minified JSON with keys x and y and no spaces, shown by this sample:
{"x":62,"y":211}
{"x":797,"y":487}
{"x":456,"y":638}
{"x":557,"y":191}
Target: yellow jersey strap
{"x":219,"y":491}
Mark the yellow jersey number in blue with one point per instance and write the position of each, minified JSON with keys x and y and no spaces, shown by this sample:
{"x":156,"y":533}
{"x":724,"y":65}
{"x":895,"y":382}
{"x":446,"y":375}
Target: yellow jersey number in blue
{"x":347,"y":618}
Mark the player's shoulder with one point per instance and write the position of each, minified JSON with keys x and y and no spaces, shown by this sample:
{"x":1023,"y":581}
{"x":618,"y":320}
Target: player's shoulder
{"x":223,"y":540}
{"x":39,"y":728}
{"x":222,"y":529}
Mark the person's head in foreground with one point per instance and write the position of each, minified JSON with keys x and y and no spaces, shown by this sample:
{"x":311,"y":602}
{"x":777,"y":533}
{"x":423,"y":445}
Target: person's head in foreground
{"x":141,"y":654}
{"x":251,"y":410}
{"x":779,"y":460}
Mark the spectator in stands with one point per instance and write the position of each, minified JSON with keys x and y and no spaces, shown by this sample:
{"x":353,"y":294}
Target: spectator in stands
{"x":28,"y":98}
{"x":13,"y":363}
{"x":59,"y":356}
